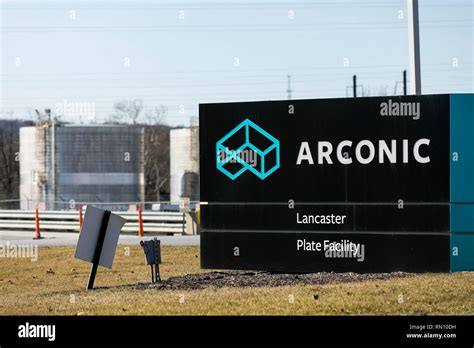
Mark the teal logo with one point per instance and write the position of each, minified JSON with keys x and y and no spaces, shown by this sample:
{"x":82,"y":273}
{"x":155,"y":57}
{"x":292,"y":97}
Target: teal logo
{"x":248,"y":147}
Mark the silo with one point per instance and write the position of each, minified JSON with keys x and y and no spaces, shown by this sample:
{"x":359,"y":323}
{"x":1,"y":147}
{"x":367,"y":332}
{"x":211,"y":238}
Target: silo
{"x":82,"y":164}
{"x":35,"y":166}
{"x":184,"y":164}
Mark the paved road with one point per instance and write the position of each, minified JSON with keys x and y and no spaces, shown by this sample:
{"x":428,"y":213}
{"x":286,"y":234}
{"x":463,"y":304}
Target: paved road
{"x":64,"y":238}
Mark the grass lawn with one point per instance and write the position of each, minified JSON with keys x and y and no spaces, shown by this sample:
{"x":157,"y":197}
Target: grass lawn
{"x":55,"y":284}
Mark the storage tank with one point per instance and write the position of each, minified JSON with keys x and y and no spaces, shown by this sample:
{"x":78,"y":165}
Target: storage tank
{"x":184,"y":164}
{"x":81,"y":164}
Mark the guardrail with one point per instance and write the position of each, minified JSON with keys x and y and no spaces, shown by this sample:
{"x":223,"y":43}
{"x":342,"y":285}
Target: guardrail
{"x":69,"y":221}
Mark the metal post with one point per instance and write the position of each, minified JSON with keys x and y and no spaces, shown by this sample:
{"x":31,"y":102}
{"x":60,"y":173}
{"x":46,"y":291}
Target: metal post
{"x":404,"y":82}
{"x":152,"y":273}
{"x":140,"y":221}
{"x":98,"y":249}
{"x":184,"y":223}
{"x":354,"y":85}
{"x":157,"y":257}
{"x":53,"y":163}
{"x":414,"y":47}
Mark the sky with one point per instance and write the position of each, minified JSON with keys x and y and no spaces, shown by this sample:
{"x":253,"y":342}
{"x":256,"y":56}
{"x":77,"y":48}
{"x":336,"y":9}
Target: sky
{"x":82,"y":57}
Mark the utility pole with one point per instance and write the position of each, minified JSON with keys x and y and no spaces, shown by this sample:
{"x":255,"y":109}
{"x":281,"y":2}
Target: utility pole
{"x":414,"y":47}
{"x":289,"y":87}
{"x":404,"y":82}
{"x":50,"y":136}
{"x":354,"y":85}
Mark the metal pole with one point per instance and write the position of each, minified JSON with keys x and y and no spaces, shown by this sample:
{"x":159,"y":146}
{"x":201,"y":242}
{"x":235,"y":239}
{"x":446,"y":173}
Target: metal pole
{"x":53,"y":163}
{"x":354,"y":85}
{"x":414,"y":47}
{"x":98,"y":249}
{"x":184,"y":223}
{"x":140,"y":221}
{"x":404,"y":82}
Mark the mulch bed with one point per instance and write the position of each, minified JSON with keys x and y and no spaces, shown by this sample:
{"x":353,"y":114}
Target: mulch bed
{"x":237,"y":279}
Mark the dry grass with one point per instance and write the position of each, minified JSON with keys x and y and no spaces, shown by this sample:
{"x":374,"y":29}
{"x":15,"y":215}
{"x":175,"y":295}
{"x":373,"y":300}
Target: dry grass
{"x":48,"y":285}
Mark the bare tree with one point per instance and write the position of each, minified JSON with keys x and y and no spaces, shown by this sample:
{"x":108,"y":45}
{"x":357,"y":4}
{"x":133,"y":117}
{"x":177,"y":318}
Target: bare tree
{"x":127,"y":111}
{"x":9,"y":159}
{"x":157,"y":152}
{"x":156,"y":116}
{"x":8,"y":163}
{"x":157,"y":143}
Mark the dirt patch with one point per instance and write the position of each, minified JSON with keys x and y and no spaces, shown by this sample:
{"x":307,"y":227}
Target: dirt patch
{"x":235,"y":279}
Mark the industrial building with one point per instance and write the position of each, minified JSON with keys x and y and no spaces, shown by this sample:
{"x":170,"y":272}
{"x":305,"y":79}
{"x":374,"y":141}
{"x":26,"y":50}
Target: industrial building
{"x":184,"y":164}
{"x":61,"y":165}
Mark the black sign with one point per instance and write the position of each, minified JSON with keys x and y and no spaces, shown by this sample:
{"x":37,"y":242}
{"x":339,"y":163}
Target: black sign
{"x":326,"y":185}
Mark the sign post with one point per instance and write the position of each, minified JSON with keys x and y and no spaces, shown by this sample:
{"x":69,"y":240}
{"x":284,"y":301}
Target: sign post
{"x":98,"y":239}
{"x":98,"y":249}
